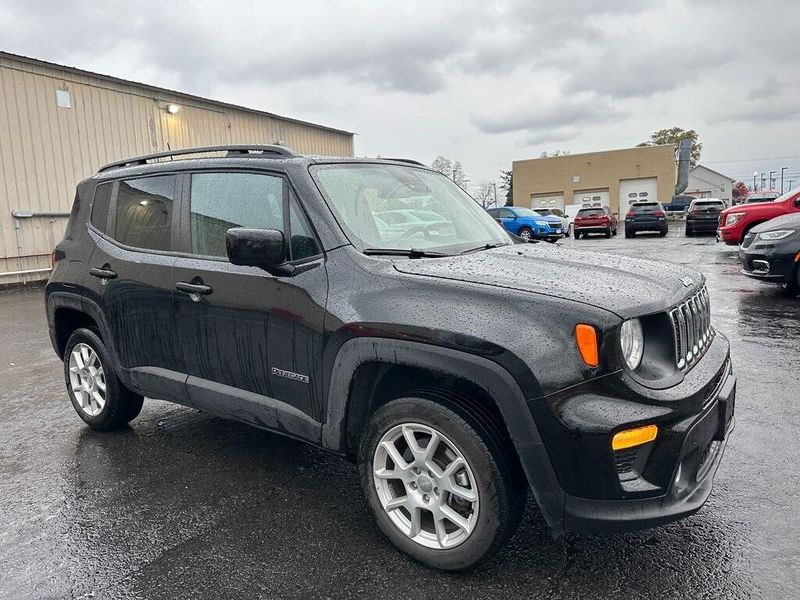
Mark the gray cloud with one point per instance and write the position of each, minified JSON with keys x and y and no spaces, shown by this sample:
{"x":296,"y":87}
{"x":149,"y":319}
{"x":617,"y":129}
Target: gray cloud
{"x":552,"y":116}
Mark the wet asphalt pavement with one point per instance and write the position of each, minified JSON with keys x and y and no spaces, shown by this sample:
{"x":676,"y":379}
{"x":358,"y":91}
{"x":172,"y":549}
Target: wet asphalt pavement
{"x":182,"y":504}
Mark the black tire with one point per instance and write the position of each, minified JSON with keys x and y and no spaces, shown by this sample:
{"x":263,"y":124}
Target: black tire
{"x":663,"y":232}
{"x":629,"y":234}
{"x":614,"y":231}
{"x":793,"y":284}
{"x":608,"y":233}
{"x":501,"y":487}
{"x":121,"y":404}
{"x":526,"y":230}
{"x":688,"y":232}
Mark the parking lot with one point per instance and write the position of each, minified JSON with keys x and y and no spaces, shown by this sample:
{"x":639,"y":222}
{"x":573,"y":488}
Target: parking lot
{"x":182,"y":504}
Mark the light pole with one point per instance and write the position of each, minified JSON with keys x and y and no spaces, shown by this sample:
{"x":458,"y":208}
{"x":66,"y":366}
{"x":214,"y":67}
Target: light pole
{"x":755,"y":186}
{"x":791,"y":181}
{"x":771,"y":180}
{"x":763,"y":180}
{"x":782,"y":170}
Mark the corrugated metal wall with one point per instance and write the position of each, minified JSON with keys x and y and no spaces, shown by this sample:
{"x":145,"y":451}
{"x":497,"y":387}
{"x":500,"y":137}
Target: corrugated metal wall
{"x":45,"y":150}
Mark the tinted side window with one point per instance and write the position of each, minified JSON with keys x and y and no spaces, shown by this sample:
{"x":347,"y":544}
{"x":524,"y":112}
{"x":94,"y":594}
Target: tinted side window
{"x":102,"y":196}
{"x":220,"y":201}
{"x":144,"y":212}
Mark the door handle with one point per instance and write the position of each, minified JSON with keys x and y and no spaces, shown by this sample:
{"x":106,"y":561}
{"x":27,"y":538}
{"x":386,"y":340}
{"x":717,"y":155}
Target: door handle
{"x":103,"y":273}
{"x":194,"y":289}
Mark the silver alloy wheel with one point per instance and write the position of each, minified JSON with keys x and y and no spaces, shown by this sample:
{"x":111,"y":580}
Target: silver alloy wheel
{"x":426,"y":486}
{"x":87,"y":380}
{"x":525,"y":234}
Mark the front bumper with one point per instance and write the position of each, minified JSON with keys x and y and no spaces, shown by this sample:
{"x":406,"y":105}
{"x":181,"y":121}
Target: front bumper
{"x":550,"y":234}
{"x":689,"y":489}
{"x":603,"y":491}
{"x":773,"y":262}
{"x":731,"y":235}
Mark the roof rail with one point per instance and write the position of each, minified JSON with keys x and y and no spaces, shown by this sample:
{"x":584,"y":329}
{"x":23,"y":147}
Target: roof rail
{"x":410,"y":161}
{"x":263,"y":151}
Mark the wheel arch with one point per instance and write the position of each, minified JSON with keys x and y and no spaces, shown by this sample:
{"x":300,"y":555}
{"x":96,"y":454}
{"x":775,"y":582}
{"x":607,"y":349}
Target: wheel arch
{"x":401,"y":366}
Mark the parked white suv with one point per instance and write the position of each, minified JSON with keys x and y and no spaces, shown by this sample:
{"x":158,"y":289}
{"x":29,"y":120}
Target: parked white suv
{"x":556,"y":212}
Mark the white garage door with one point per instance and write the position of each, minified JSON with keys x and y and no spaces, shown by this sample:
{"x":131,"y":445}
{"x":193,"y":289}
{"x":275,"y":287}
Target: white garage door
{"x":591,"y":197}
{"x":633,"y":190}
{"x":547,"y":201}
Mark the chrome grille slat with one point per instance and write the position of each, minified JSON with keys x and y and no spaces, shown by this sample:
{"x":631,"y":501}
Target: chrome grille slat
{"x":691,"y":324}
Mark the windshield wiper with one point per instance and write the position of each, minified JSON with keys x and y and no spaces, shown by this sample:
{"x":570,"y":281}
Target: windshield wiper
{"x":409,"y":252}
{"x":488,"y":246}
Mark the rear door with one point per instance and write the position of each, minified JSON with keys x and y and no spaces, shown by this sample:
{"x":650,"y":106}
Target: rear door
{"x":134,"y":225}
{"x":252,"y":341}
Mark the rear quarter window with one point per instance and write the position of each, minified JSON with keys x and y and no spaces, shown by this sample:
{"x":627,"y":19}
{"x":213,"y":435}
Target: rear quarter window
{"x":102,"y":198}
{"x":144,"y":212}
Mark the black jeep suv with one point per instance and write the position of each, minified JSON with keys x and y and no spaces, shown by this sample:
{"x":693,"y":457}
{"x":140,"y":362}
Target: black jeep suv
{"x":457,"y":365}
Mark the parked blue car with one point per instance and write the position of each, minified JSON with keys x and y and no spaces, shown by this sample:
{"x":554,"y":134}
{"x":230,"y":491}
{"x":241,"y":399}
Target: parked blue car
{"x":528,"y":224}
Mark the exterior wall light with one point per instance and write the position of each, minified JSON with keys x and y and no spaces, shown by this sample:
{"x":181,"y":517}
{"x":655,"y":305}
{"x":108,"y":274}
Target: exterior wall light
{"x":173,"y":108}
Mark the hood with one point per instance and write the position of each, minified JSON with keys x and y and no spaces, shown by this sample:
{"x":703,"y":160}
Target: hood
{"x":755,"y":208}
{"x":625,"y":286}
{"x":548,"y":218}
{"x":790,"y":221}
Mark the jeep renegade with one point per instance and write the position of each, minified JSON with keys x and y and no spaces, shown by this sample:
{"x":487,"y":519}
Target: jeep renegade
{"x":459,"y":366}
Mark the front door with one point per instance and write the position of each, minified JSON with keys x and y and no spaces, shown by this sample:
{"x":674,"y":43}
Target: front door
{"x":252,"y":341}
{"x":134,"y":226}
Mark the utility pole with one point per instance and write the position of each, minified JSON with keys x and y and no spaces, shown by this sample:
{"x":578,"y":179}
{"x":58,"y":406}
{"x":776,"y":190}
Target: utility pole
{"x":763,"y":180}
{"x":772,"y":180}
{"x":755,"y":186}
{"x":782,"y":170}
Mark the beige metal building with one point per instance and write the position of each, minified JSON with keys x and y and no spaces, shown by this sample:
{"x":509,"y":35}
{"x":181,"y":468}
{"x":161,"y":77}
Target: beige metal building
{"x":58,"y":125}
{"x":613,"y":177}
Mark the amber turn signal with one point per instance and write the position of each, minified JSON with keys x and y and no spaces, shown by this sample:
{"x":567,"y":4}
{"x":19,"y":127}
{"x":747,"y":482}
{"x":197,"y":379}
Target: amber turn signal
{"x":629,"y":438}
{"x":586,"y":338}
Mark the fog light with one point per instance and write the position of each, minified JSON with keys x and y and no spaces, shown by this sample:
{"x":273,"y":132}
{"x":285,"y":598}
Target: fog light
{"x":628,"y":438}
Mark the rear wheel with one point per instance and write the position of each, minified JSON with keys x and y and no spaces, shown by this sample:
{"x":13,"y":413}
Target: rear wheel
{"x":608,"y":232}
{"x":97,"y":395}
{"x":688,"y":232}
{"x":629,"y":233}
{"x":663,"y":232}
{"x":439,"y":483}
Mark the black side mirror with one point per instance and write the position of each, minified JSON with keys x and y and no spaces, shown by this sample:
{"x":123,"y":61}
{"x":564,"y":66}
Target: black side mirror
{"x":265,"y":248}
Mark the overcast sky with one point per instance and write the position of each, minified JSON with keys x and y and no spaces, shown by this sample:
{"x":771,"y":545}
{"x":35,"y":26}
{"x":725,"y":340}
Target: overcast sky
{"x":482,"y":82}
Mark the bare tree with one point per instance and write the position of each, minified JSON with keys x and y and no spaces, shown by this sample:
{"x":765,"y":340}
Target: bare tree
{"x":554,"y":153}
{"x":451,"y":169}
{"x":485,"y":194}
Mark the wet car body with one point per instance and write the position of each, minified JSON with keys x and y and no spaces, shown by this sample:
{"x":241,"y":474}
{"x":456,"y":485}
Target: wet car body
{"x":361,"y":326}
{"x":646,"y":216}
{"x":528,"y":224}
{"x":594,"y":220}
{"x":771,"y":251}
{"x":703,"y":216}
{"x":734,"y":222}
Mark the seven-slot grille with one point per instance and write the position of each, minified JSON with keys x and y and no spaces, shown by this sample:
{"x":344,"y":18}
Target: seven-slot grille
{"x":691,"y":321}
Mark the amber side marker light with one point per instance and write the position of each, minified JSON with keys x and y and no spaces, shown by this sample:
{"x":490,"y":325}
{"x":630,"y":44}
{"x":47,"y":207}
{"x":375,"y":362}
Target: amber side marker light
{"x":586,"y":338}
{"x":629,"y":438}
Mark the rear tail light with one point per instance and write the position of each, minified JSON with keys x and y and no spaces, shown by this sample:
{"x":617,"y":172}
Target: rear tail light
{"x":630,"y":214}
{"x":659,"y":213}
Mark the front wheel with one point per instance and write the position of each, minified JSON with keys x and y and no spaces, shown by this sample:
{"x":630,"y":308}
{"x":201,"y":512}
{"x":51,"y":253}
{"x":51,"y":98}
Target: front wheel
{"x":438,"y":482}
{"x":97,"y":395}
{"x":526,"y":234}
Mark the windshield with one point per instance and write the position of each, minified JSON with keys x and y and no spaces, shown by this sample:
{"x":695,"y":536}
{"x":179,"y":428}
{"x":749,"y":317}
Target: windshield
{"x":649,"y":207}
{"x":521,"y":211}
{"x":405,"y":208}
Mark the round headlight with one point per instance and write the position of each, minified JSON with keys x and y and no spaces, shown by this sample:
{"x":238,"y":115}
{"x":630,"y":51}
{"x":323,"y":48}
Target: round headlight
{"x":631,"y":341}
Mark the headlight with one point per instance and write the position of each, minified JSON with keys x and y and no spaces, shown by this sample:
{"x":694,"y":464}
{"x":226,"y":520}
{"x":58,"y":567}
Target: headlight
{"x":733,"y":218}
{"x":542,"y":223}
{"x":631,"y":342}
{"x":776,"y":235}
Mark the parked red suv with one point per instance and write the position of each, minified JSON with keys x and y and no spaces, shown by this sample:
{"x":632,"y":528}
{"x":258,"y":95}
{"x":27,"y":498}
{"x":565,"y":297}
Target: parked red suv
{"x":595,"y":219}
{"x":736,"y":221}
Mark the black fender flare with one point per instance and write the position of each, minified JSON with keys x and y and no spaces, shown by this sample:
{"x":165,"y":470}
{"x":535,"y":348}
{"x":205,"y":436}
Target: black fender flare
{"x":496,"y":381}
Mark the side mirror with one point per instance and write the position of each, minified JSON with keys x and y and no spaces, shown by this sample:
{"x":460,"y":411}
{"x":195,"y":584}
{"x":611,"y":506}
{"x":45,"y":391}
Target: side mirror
{"x":265,"y":248}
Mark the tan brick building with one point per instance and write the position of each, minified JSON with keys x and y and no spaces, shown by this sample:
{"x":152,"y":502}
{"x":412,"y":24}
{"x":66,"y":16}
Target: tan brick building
{"x":612,"y":177}
{"x":59,"y":124}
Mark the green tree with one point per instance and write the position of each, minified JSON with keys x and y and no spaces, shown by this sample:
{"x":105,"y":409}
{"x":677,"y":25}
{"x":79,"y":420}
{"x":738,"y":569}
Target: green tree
{"x":673,"y":135}
{"x":507,"y":183}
